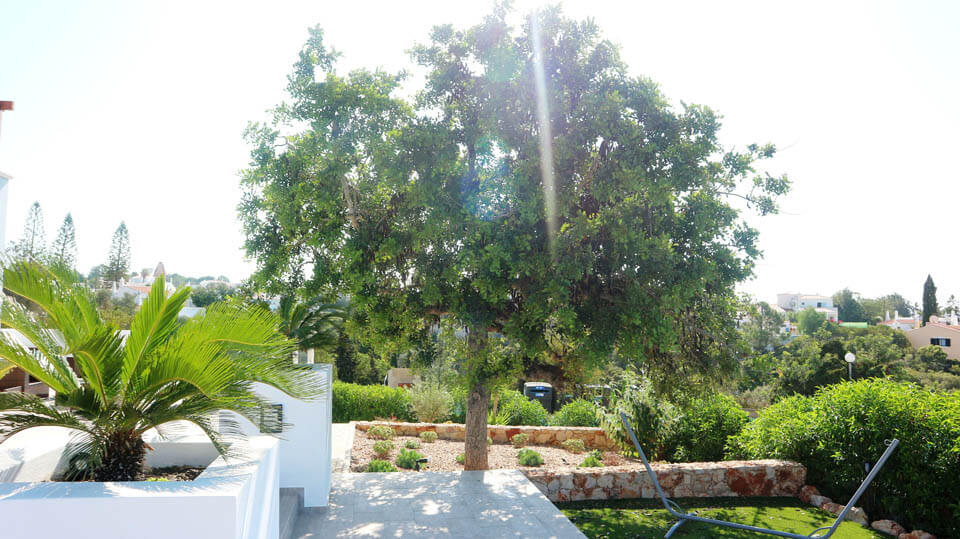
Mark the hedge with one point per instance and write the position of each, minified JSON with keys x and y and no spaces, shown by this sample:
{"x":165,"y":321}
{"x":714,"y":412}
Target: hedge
{"x":841,"y":427}
{"x":354,"y":402}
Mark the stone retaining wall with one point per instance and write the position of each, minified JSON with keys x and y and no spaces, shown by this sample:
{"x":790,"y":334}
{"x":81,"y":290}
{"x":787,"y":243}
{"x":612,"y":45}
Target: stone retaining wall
{"x":695,"y":479}
{"x":593,"y":438}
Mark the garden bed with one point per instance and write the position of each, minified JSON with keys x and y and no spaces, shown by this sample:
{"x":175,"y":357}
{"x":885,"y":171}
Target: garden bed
{"x":443,"y":455}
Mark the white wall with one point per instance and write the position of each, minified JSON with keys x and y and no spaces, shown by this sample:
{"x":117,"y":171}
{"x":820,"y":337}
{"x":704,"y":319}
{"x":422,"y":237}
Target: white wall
{"x":4,"y":181}
{"x":305,"y":443}
{"x":238,"y":499}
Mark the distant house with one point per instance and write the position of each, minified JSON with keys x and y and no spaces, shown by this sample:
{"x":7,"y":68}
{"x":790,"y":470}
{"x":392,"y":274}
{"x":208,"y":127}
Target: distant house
{"x":935,"y":333}
{"x":795,"y":303}
{"x":903,"y":324}
{"x":139,"y":288}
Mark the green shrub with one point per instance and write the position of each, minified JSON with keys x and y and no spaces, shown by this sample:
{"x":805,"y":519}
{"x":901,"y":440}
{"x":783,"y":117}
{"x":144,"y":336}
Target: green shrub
{"x":699,"y":433}
{"x":515,"y":409}
{"x":412,"y":444}
{"x":574,"y":445}
{"x":594,"y":460}
{"x":649,"y":416}
{"x":408,"y":458}
{"x":354,"y":402}
{"x":383,"y":448}
{"x":529,"y":457}
{"x":489,"y":440}
{"x":841,"y":427}
{"x":577,"y":413}
{"x":430,"y":403}
{"x":378,"y":466}
{"x":380,"y":432}
{"x":428,"y":436}
{"x":519,"y":440}
{"x":461,"y":458}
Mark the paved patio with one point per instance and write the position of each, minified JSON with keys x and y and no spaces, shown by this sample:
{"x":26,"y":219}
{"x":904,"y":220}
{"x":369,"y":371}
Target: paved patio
{"x":497,"y":503}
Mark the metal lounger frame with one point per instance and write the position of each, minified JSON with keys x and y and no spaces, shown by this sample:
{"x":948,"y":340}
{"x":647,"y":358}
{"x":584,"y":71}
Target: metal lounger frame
{"x":675,"y":510}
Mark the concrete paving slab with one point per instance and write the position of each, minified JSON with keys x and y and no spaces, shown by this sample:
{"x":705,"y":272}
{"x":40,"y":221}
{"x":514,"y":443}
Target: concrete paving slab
{"x":496,"y":503}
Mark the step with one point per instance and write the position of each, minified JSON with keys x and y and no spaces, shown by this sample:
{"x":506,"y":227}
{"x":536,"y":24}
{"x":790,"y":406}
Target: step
{"x":291,"y":502}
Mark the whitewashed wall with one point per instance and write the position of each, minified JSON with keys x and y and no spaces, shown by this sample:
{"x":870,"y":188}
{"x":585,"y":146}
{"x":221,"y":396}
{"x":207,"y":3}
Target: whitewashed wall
{"x":305,"y":442}
{"x":238,"y":499}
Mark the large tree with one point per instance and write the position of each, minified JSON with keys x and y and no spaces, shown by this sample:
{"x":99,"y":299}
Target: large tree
{"x":118,"y":260}
{"x":929,"y":300}
{"x":533,"y":190}
{"x":63,"y":251}
{"x":32,"y":245}
{"x":849,"y":307}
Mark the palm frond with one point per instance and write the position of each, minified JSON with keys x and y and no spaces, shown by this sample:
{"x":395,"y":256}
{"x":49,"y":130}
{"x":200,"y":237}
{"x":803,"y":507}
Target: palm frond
{"x":16,"y":317}
{"x":152,"y":326}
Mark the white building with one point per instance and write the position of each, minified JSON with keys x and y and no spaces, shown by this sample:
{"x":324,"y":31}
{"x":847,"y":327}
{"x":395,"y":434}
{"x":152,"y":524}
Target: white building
{"x":4,"y":180}
{"x":907,"y":324}
{"x":798,"y":302}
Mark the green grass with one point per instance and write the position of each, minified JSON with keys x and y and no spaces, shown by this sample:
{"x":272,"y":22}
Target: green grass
{"x":647,"y":518}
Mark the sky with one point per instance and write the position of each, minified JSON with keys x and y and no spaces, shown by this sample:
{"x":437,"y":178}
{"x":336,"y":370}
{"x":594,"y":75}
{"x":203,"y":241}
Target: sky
{"x":134,"y":112}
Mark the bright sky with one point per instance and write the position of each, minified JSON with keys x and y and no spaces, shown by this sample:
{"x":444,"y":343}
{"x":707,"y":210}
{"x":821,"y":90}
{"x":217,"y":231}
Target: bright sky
{"x":133,"y":111}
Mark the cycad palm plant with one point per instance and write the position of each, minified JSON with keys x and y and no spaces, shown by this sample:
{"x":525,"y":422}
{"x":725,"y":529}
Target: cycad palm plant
{"x":162,"y":372}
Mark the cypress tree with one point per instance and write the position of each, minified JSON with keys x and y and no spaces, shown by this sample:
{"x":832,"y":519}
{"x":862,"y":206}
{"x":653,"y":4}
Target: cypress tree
{"x":929,"y":300}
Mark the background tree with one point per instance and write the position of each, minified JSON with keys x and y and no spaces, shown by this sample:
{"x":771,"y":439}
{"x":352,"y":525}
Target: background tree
{"x":809,"y":321}
{"x":849,"y":308}
{"x":876,"y":309}
{"x":763,"y":328}
{"x":212,"y":293}
{"x":118,"y":260}
{"x":929,"y":300}
{"x":32,"y":245}
{"x":63,"y":251}
{"x":602,"y":214}
{"x":952,"y":306}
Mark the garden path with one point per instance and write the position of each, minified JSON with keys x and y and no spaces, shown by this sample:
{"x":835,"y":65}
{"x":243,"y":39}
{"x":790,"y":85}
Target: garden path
{"x":496,"y":503}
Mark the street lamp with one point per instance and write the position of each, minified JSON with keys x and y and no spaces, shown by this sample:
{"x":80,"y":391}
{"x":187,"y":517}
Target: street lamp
{"x":850,"y":358}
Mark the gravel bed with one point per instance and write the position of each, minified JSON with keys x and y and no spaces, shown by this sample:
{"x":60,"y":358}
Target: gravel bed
{"x":443,"y":455}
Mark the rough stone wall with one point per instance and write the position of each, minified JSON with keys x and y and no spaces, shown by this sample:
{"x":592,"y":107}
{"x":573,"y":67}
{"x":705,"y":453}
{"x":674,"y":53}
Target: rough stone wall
{"x":695,"y":479}
{"x":593,"y":438}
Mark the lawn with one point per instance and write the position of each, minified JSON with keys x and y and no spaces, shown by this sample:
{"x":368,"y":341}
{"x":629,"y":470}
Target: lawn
{"x":647,"y":518}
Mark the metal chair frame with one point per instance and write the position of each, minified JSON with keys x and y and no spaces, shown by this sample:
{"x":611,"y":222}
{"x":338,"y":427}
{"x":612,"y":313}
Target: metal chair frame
{"x":676,"y":511}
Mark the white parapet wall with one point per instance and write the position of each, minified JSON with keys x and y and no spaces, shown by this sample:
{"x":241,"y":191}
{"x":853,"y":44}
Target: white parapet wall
{"x":305,"y":443}
{"x":235,"y":499}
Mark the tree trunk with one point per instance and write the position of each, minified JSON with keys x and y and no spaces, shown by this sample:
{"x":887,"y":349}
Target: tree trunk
{"x":475,"y":445}
{"x":122,"y":458}
{"x":478,"y":401}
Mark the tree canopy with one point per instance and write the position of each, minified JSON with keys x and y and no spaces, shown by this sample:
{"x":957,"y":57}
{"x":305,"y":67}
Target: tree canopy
{"x":532,"y":189}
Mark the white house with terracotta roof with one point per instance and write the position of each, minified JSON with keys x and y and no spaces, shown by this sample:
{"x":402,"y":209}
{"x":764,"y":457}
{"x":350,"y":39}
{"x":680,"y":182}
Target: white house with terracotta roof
{"x":898,"y":322}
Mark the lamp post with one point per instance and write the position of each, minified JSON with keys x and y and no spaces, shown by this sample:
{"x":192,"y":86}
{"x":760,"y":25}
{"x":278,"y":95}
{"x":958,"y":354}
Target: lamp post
{"x":850,"y":357}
